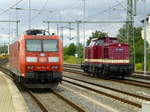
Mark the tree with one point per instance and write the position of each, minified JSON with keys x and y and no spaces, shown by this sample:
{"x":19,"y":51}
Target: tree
{"x":4,"y":49}
{"x":70,"y":50}
{"x":96,"y":34}
{"x":80,"y":48}
{"x":134,"y":35}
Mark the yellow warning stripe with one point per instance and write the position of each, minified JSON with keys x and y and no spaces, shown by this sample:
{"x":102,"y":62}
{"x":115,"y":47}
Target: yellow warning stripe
{"x":107,"y":60}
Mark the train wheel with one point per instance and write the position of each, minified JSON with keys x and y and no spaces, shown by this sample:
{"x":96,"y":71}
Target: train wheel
{"x":85,"y":70}
{"x":96,"y":73}
{"x":122,"y":77}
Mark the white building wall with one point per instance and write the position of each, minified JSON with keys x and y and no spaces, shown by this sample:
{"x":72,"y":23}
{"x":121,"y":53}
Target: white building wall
{"x":147,"y":31}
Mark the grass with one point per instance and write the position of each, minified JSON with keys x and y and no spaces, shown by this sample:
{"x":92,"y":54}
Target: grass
{"x":72,"y":60}
{"x":140,"y":66}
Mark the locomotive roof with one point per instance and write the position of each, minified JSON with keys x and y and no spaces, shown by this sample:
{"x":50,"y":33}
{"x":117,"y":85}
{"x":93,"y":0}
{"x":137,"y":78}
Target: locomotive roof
{"x":105,"y":38}
{"x":35,"y":31}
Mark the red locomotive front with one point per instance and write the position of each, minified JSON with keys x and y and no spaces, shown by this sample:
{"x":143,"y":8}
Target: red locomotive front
{"x":107,"y":57}
{"x":37,"y":59}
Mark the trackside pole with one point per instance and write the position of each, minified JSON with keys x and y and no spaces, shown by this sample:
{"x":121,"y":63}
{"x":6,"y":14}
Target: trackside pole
{"x":146,"y":106}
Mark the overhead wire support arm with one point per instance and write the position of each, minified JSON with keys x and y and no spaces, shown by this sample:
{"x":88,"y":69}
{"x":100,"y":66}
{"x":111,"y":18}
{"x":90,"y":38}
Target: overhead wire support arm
{"x":32,"y":9}
{"x":85,"y":21}
{"x":15,"y":21}
{"x":11,"y":21}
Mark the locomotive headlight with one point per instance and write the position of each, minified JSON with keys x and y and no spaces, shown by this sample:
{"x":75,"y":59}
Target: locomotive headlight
{"x":31,"y":59}
{"x":53,"y":59}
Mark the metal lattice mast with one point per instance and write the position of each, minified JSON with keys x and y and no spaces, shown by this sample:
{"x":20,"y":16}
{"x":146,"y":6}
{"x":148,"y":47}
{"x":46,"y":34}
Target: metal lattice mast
{"x":131,"y":12}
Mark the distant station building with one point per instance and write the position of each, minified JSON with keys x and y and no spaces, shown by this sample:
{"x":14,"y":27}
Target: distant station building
{"x":147,"y":30}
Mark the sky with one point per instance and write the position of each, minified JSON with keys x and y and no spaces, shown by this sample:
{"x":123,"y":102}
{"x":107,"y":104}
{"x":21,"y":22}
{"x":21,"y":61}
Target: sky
{"x":68,"y":10}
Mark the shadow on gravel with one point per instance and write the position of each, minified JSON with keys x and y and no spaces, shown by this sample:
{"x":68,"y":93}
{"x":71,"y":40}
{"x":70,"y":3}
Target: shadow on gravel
{"x":40,"y":90}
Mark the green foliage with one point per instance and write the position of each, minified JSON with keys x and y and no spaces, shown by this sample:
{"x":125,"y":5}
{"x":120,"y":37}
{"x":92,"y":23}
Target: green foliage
{"x":148,"y":60}
{"x":3,"y":49}
{"x":139,"y":66}
{"x":70,"y":50}
{"x":96,"y":34}
{"x":139,"y":44}
{"x":80,"y":48}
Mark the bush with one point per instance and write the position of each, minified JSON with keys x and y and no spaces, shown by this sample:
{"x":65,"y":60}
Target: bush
{"x":139,"y":66}
{"x":72,"y":59}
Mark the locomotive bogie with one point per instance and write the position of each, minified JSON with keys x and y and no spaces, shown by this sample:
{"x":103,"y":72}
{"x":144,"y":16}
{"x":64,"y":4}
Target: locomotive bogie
{"x":106,"y":70}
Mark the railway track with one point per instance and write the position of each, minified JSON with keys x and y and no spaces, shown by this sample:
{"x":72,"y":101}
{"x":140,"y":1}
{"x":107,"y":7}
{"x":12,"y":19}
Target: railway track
{"x":11,"y":76}
{"x":126,"y":81}
{"x":42,"y":107}
{"x":116,"y":97}
{"x":75,"y":66}
{"x":45,"y":109}
{"x":137,"y":83}
{"x":137,"y":74}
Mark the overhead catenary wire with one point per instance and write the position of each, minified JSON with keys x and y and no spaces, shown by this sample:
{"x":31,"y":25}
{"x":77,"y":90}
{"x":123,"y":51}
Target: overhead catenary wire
{"x":4,"y":11}
{"x":73,"y":5}
{"x":41,"y":10}
{"x":106,"y":10}
{"x":32,"y":18}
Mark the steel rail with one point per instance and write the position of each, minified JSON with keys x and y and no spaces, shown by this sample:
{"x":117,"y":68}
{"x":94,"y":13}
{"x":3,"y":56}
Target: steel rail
{"x":140,"y":76}
{"x":42,"y":107}
{"x":136,"y":76}
{"x":134,"y":83}
{"x":74,"y":105}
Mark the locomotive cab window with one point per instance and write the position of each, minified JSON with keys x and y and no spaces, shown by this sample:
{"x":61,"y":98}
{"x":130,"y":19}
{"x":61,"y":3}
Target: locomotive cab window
{"x":33,"y":45}
{"x":114,"y":41}
{"x":42,"y":45}
{"x":50,"y":45}
{"x":99,"y":42}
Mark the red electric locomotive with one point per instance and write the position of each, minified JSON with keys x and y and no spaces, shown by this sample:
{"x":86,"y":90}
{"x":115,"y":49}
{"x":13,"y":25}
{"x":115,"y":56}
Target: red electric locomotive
{"x":36,"y":58}
{"x":107,"y":57}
